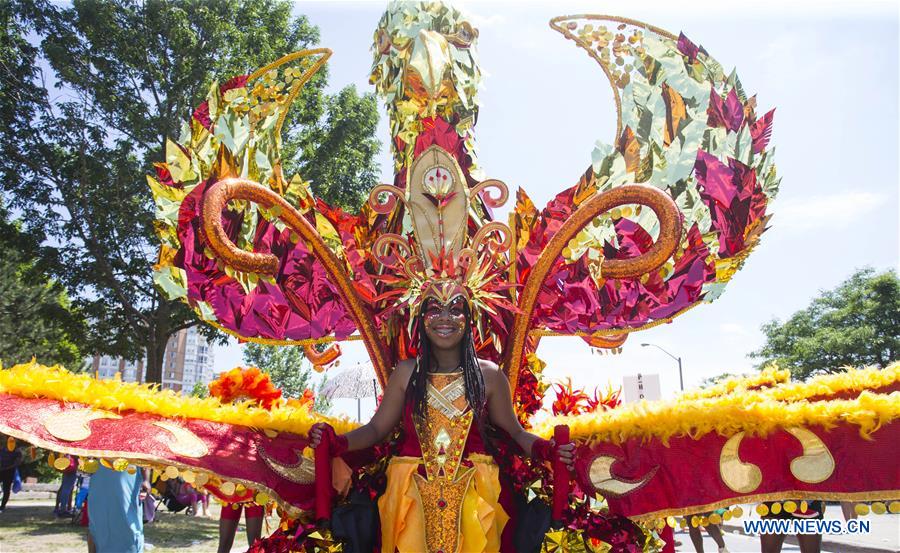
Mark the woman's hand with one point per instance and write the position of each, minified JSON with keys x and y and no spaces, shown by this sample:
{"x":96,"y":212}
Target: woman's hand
{"x":547,"y":450}
{"x":566,"y":454}
{"x":316,"y":433}
{"x":323,"y":430}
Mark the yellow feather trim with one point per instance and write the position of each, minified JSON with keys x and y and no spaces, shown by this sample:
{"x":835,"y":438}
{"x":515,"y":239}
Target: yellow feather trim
{"x":756,"y":412}
{"x":769,"y":377}
{"x":33,"y":380}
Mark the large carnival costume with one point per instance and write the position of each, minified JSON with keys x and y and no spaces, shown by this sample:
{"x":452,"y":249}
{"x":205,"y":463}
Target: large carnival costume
{"x":657,"y":224}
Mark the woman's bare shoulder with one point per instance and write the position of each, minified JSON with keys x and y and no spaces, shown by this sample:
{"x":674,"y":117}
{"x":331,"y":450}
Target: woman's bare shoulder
{"x":401,"y":373}
{"x":489,"y":370}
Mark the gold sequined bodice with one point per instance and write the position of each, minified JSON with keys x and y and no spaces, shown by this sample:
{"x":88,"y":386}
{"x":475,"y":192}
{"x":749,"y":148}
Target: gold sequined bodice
{"x":442,"y":437}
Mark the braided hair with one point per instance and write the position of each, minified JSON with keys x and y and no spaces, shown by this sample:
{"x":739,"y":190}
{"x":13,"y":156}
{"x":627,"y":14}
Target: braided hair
{"x":416,"y":391}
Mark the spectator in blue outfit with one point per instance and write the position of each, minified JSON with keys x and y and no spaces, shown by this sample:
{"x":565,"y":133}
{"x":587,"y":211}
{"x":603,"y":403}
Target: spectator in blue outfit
{"x":115,"y":521}
{"x":64,"y":493}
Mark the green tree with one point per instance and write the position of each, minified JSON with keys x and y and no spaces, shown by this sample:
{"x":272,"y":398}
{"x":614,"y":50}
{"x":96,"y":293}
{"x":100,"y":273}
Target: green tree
{"x":89,"y":92}
{"x":711,"y":381}
{"x":36,"y":316}
{"x":200,"y":390}
{"x":288,"y":369}
{"x":856,"y":324}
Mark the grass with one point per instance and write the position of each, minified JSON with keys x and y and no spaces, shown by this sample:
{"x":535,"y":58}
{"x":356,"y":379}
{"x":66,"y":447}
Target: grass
{"x":30,"y":527}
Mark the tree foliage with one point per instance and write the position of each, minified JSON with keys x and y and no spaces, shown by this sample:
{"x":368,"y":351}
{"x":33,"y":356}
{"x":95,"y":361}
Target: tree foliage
{"x":856,"y":324}
{"x":288,"y":370}
{"x":36,"y":316}
{"x":90,"y":92}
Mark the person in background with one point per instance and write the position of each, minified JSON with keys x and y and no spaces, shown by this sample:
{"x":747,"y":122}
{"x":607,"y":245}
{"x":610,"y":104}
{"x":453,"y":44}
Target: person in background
{"x":714,"y":531}
{"x":809,"y":543}
{"x":848,"y":509}
{"x":64,"y":493}
{"x":231,"y":517}
{"x":204,"y":504}
{"x":9,"y":461}
{"x":115,"y":521}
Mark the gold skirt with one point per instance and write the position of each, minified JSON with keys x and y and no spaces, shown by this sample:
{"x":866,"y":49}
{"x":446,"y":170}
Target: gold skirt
{"x":403,"y":517}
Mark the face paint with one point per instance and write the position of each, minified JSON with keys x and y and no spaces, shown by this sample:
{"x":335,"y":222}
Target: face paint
{"x":455,"y":310}
{"x":440,"y":293}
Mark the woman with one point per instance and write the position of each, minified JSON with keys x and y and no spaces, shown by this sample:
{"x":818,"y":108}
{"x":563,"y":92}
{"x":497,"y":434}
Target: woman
{"x":443,"y":487}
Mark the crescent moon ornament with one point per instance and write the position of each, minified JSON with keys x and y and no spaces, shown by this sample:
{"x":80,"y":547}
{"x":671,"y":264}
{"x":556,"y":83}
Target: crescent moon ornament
{"x":303,"y":471}
{"x":739,"y":476}
{"x":816,"y":464}
{"x":607,"y":484}
{"x":186,"y":443}
{"x":72,"y":425}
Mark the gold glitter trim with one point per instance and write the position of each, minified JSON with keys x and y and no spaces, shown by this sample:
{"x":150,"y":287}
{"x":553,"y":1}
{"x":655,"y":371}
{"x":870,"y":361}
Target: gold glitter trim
{"x":323,"y":53}
{"x":556,"y":26}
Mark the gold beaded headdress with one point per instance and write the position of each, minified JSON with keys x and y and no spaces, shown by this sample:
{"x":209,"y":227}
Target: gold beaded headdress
{"x":439,"y":258}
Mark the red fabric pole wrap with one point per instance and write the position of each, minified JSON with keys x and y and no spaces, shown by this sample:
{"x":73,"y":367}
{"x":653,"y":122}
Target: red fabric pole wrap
{"x":323,"y":477}
{"x":560,"y":474}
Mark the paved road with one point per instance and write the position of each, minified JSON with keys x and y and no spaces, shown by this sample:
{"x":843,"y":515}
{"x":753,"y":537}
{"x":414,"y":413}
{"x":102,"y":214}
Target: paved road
{"x":735,"y":544}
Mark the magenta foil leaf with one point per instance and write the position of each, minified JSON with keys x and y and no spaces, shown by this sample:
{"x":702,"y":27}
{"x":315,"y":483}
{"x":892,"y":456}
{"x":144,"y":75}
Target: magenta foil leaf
{"x":761,"y":131}
{"x":728,"y":113}
{"x":267,"y":311}
{"x":734,"y":197}
{"x":688,"y":48}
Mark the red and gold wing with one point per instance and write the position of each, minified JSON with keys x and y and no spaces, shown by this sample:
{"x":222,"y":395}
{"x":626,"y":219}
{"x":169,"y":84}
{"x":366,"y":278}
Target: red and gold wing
{"x":832,"y":437}
{"x":240,"y":449}
{"x":253,"y":253}
{"x":685,"y":129}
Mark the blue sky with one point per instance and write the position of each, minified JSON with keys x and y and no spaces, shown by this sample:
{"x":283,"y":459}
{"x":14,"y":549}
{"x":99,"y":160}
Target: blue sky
{"x":830,"y":69}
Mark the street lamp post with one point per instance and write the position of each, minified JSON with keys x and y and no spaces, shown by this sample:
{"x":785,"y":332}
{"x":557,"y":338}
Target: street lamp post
{"x":680,"y":374}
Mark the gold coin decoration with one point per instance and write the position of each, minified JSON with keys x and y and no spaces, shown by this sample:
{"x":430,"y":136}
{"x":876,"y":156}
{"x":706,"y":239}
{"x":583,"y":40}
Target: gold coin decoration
{"x":61,"y":463}
{"x":227,"y":488}
{"x":670,"y":522}
{"x":171,"y":472}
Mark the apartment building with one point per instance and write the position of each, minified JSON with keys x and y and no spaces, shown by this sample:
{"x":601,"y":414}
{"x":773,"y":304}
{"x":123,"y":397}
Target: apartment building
{"x":188,"y":359}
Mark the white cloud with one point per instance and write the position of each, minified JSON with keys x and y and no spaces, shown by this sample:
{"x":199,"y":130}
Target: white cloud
{"x":733,"y":329}
{"x":833,"y":210}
